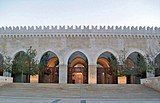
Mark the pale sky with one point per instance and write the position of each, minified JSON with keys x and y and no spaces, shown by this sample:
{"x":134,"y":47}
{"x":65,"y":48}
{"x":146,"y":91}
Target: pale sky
{"x":80,"y":12}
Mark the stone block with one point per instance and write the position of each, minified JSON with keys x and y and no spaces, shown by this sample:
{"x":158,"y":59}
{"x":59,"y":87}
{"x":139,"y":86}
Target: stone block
{"x":153,"y":82}
{"x":6,"y":79}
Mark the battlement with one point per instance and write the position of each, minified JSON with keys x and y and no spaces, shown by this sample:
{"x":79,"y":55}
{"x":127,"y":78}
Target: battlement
{"x":80,"y":29}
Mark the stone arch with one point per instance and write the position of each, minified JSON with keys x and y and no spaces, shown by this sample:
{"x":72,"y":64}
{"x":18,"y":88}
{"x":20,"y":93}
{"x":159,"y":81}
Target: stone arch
{"x":135,"y":67}
{"x":77,"y":68}
{"x":68,"y":54}
{"x":131,"y":50}
{"x":1,"y":64}
{"x":156,"y":54}
{"x":106,"y":68}
{"x":49,"y":68}
{"x":41,"y":52}
{"x":13,"y":54}
{"x":99,"y":51}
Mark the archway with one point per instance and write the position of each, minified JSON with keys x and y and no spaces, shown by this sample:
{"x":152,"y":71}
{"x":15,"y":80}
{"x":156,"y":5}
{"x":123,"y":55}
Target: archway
{"x":106,"y":69}
{"x":1,"y":65}
{"x":78,"y":68}
{"x":135,"y":68}
{"x":49,"y":68}
{"x":157,"y":65}
{"x":19,"y":68}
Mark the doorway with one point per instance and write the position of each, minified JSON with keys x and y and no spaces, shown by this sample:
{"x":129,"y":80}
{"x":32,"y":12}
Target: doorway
{"x":77,"y":68}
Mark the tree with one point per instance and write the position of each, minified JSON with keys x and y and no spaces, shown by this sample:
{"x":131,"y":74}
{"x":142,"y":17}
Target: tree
{"x":121,"y":68}
{"x":139,"y":69}
{"x":113,"y":64}
{"x":7,"y":65}
{"x":19,"y":65}
{"x":142,"y":66}
{"x":25,"y":64}
{"x":32,"y":63}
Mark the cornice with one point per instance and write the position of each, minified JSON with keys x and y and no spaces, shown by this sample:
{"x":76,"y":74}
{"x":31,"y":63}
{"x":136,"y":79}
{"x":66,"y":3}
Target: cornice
{"x":80,"y":31}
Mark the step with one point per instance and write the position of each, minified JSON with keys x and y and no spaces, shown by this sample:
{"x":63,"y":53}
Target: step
{"x":103,"y":91}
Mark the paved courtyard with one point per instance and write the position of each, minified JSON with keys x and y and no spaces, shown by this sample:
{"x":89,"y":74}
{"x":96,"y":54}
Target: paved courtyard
{"x":76,"y":93}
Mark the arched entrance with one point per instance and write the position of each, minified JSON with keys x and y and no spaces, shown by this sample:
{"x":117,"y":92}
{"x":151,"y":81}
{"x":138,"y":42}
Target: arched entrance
{"x":19,"y":68}
{"x":49,"y":68}
{"x":157,"y":65}
{"x":135,"y":68}
{"x":78,"y":68}
{"x":1,"y":65}
{"x":106,"y":69}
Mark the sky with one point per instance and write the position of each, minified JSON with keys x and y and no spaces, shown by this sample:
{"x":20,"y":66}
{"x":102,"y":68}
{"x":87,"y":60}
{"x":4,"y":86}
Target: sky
{"x":80,"y":12}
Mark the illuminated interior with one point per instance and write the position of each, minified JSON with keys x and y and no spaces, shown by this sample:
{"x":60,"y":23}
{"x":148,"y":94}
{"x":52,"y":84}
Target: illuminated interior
{"x":50,"y":68}
{"x":52,"y":62}
{"x":103,"y":62}
{"x":77,"y":68}
{"x":78,"y":62}
{"x":34,"y":79}
{"x":78,"y":78}
{"x":105,"y":74}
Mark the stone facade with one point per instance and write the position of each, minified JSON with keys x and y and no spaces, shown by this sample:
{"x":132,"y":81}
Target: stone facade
{"x":90,"y":40}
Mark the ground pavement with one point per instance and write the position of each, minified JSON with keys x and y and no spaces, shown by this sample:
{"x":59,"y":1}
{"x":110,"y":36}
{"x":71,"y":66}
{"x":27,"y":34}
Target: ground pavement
{"x":77,"y":93}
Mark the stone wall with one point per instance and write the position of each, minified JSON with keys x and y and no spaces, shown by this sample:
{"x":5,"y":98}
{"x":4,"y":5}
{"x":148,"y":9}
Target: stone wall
{"x":92,"y":47}
{"x":90,"y":40}
{"x":153,"y":82}
{"x":5,"y":80}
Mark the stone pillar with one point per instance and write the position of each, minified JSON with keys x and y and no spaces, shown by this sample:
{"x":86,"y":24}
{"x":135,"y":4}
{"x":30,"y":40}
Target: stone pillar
{"x":92,"y":74}
{"x":63,"y":74}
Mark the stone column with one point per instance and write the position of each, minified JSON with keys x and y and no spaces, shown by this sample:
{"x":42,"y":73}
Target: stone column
{"x":63,"y":74}
{"x":92,"y":74}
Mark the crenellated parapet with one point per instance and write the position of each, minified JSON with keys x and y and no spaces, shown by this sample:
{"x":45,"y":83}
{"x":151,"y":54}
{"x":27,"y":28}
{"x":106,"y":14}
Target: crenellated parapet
{"x":85,"y":30}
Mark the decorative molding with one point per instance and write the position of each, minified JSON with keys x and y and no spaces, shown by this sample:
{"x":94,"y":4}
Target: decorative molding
{"x":80,"y":31}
